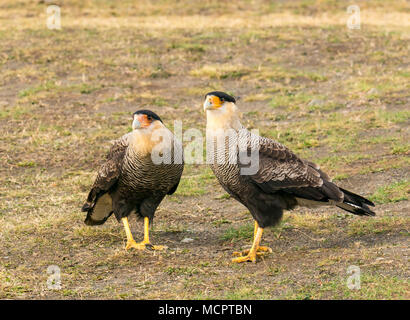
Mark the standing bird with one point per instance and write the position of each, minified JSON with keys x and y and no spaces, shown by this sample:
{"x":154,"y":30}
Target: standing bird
{"x":281,"y":180}
{"x":138,"y":173}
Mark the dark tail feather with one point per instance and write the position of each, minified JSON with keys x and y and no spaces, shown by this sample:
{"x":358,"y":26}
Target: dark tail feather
{"x":356,"y":204}
{"x":86,"y":207}
{"x":89,"y":221}
{"x":356,"y":197}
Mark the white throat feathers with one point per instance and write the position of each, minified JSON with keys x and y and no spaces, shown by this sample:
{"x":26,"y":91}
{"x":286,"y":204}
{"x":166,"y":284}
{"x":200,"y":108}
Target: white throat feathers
{"x":226,"y":117}
{"x":142,"y":141}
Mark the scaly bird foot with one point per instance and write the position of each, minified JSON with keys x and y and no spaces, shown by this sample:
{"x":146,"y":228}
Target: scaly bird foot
{"x":135,"y":245}
{"x":260,"y":251}
{"x":159,"y":248}
{"x":143,"y":245}
{"x":250,"y":257}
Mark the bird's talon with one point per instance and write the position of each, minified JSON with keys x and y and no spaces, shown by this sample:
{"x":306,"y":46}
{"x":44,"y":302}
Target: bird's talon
{"x":135,"y":245}
{"x":143,"y":245}
{"x":158,"y":248}
{"x":260,"y":251}
{"x":264,"y":249}
{"x":248,"y":258}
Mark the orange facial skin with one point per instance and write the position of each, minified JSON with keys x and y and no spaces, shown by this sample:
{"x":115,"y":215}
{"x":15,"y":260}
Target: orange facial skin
{"x":215,"y":101}
{"x":144,"y":120}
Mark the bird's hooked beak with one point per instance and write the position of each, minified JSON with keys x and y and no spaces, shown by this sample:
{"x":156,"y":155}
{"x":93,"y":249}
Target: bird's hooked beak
{"x":140,"y":121}
{"x":212,"y":103}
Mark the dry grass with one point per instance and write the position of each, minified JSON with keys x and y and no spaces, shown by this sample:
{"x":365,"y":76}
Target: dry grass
{"x":339,"y":97}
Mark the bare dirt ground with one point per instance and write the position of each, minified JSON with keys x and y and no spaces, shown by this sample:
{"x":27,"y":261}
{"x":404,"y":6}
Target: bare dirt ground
{"x":336,"y":96}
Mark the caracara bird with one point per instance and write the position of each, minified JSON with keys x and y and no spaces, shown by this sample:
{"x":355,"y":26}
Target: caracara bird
{"x":141,"y":168}
{"x":279,"y":181}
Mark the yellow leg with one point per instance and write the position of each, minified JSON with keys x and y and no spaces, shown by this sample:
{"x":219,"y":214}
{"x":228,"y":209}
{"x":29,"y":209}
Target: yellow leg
{"x":256,"y":250}
{"x":143,"y":244}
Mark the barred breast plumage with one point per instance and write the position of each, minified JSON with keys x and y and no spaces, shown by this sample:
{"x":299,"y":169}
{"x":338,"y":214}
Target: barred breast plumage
{"x":225,"y":167}
{"x":141,"y":177}
{"x":129,"y":180}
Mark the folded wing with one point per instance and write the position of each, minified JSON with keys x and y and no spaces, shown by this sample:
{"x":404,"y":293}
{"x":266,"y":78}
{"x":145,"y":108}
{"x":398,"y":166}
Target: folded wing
{"x":99,"y":203}
{"x":280,"y":170}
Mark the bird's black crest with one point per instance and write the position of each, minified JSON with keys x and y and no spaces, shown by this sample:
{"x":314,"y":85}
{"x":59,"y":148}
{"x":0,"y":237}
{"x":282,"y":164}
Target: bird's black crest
{"x":221,"y":95}
{"x":153,"y":115}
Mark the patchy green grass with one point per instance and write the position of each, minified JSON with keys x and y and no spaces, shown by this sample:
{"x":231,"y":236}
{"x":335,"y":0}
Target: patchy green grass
{"x":191,"y":47}
{"x":376,"y":225}
{"x":16,"y":112}
{"x":220,"y":222}
{"x":317,"y":224}
{"x":233,"y":234}
{"x":371,"y":287}
{"x":397,"y":191}
{"x":394,"y":116}
{"x":196,"y":184}
{"x":220,"y":71}
{"x":257,"y":97}
{"x":400,"y":149}
{"x":246,"y":293}
{"x":291,"y":100}
{"x":181,"y":271}
{"x":26,"y":164}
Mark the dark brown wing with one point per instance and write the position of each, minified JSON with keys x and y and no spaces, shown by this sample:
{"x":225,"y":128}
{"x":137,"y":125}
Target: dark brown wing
{"x":281,"y":170}
{"x":108,"y":174}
